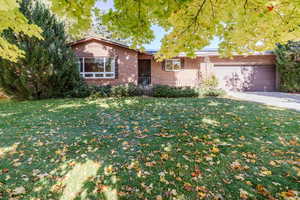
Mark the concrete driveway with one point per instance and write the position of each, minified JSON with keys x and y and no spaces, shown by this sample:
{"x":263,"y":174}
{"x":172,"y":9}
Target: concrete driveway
{"x":279,"y":99}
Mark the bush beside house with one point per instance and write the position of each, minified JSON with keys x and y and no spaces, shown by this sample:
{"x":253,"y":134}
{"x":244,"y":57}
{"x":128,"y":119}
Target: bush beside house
{"x":84,"y":90}
{"x":101,"y":91}
{"x":288,"y":65}
{"x":49,"y":67}
{"x":127,"y":90}
{"x":209,"y":87}
{"x":173,"y":92}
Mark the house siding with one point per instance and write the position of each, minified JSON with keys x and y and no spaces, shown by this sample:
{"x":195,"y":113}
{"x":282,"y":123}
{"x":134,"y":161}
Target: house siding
{"x":251,"y":60}
{"x":197,"y":69}
{"x":194,"y":71}
{"x":190,"y":75}
{"x":127,"y":61}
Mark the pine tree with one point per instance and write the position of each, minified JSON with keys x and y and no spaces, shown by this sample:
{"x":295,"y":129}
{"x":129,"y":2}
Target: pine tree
{"x":49,"y":67}
{"x":98,"y":29}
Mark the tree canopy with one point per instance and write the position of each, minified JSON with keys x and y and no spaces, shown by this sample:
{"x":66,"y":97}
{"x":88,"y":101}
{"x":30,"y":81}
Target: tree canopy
{"x":49,"y":68}
{"x":11,"y":18}
{"x":243,"y":26}
{"x":288,"y":66}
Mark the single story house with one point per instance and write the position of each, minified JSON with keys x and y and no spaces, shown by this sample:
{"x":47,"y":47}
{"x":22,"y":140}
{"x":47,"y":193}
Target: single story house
{"x":104,"y":62}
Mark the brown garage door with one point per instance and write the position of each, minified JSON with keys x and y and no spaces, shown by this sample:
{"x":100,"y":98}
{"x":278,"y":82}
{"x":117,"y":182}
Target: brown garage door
{"x":246,"y":78}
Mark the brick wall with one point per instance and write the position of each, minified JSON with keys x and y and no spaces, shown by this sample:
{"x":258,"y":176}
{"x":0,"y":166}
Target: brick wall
{"x":245,"y":60}
{"x":195,"y":70}
{"x":127,"y":61}
{"x":190,"y":75}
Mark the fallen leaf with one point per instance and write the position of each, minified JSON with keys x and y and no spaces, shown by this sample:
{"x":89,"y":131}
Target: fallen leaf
{"x":201,"y":188}
{"x":164,"y":156}
{"x":239,"y":177}
{"x":262,"y":190}
{"x":19,"y":190}
{"x":5,"y":170}
{"x":215,"y":150}
{"x":188,"y":187}
{"x":244,"y":194}
{"x":265,"y":172}
{"x":201,"y":195}
{"x":289,"y":193}
{"x":196,"y":172}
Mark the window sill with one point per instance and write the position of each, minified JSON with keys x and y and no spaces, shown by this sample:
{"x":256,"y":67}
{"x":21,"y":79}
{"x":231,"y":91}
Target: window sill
{"x":98,"y":77}
{"x":174,"y":70}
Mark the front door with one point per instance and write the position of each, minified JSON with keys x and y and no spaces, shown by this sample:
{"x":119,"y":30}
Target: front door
{"x":144,"y":72}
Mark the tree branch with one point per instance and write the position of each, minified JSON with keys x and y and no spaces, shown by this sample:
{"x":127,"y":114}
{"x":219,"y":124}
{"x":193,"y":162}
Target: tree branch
{"x":245,"y":5}
{"x":212,"y":8}
{"x":195,"y":18}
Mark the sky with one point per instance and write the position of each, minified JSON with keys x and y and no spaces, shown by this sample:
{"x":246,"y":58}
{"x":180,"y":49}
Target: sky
{"x":158,"y":31}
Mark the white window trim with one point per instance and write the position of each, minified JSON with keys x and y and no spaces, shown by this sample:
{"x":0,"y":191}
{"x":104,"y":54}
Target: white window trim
{"x":173,"y":70}
{"x":83,"y":73}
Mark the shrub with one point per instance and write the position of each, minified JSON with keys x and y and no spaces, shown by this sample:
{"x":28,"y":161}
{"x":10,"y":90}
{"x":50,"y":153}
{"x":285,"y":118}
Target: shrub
{"x":127,"y":90}
{"x":83,"y":90}
{"x":288,"y":65}
{"x":100,"y":91}
{"x":80,"y":90}
{"x":49,"y":67}
{"x":211,"y":82}
{"x":172,"y":92}
{"x":211,"y":92}
{"x":210,"y":88}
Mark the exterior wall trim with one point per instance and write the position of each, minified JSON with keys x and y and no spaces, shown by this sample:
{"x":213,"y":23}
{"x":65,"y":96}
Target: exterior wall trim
{"x":193,"y":73}
{"x":242,"y":63}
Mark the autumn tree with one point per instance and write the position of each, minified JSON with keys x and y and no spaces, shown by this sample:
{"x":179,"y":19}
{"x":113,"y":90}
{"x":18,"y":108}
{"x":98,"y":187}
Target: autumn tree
{"x":12,"y":19}
{"x":76,"y":13}
{"x":49,"y":68}
{"x":98,"y":29}
{"x":243,"y":26}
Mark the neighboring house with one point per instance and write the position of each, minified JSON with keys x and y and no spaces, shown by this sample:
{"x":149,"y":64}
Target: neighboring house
{"x":104,"y":62}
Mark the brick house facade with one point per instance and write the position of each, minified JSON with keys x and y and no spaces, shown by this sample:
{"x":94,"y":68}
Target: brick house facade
{"x":105,"y":62}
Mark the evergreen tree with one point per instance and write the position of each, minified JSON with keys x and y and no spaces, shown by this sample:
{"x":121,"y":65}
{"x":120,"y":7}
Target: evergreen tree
{"x":98,"y":29}
{"x":49,"y":67}
{"x":288,"y":65}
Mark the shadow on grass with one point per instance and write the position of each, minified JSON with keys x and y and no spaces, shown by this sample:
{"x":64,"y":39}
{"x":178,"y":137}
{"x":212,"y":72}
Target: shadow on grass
{"x":123,"y":148}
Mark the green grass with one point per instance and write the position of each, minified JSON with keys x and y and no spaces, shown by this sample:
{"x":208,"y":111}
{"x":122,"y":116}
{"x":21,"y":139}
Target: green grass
{"x":147,"y":148}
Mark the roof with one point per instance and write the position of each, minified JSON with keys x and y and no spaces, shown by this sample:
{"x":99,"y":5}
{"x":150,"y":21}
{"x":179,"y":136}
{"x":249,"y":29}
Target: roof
{"x":213,"y":52}
{"x":204,"y":52}
{"x":100,"y":40}
{"x":107,"y":41}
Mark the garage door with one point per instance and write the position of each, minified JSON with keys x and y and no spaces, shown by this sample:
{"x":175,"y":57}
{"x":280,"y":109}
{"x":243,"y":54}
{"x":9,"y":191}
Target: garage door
{"x":246,"y":78}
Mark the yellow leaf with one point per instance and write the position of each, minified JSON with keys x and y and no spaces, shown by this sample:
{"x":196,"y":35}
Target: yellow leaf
{"x":243,"y":194}
{"x":287,"y":194}
{"x":201,"y":195}
{"x":159,"y":197}
{"x":164,"y":156}
{"x":266,"y":172}
{"x":215,"y":150}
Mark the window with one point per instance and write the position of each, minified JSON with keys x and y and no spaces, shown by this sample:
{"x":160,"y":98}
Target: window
{"x":103,"y":67}
{"x":173,"y":64}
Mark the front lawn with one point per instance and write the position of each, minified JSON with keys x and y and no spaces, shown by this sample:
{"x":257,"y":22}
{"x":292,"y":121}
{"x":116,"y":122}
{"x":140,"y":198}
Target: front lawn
{"x":147,"y":148}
